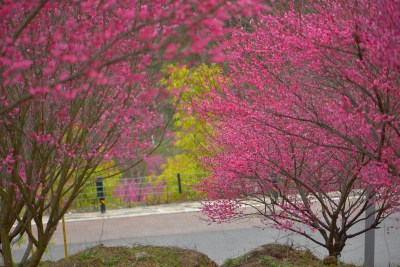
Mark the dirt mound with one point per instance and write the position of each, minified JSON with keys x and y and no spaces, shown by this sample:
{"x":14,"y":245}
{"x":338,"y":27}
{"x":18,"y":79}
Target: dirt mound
{"x":277,"y":255}
{"x":274,"y":255}
{"x":143,"y":256}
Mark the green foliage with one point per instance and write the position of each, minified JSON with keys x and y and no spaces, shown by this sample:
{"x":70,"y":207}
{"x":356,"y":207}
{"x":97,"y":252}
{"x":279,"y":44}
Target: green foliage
{"x":111,"y":261}
{"x":234,"y":262}
{"x":268,"y":261}
{"x":87,"y":254}
{"x":190,"y":85}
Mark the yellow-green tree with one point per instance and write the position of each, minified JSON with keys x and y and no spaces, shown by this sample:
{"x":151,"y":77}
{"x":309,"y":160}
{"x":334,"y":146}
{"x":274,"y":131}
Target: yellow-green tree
{"x":190,"y":133}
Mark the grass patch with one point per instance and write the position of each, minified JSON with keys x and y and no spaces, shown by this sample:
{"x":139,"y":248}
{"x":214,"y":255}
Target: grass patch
{"x":235,"y":261}
{"x":143,"y":256}
{"x":270,"y":255}
{"x":276,"y":255}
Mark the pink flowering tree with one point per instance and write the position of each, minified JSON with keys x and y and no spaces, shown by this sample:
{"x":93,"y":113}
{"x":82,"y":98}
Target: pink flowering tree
{"x":142,"y":182}
{"x":308,"y":131}
{"x":77,"y":90}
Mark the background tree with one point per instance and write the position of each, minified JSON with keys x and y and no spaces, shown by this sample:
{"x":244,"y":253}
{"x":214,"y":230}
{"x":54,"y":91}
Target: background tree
{"x":189,"y":85}
{"x":308,"y":130}
{"x":140,"y":188}
{"x":76,"y":91}
{"x":157,"y":173}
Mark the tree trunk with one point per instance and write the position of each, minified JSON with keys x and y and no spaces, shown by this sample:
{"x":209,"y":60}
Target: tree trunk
{"x":36,"y":257}
{"x":42,"y":245}
{"x":336,"y":248}
{"x":6,"y":246}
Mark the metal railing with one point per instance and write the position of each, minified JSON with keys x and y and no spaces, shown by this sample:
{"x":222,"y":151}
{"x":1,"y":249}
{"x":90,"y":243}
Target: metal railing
{"x":131,"y":192}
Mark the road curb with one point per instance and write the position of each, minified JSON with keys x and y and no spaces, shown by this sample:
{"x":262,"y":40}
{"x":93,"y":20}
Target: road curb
{"x":136,"y":211}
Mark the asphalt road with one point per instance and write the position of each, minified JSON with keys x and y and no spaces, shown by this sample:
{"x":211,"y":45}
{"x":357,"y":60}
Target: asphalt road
{"x":218,"y":241}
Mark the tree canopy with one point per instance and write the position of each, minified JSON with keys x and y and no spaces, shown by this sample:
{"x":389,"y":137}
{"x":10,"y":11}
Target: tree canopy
{"x":77,"y":89}
{"x":189,"y":86}
{"x":309,"y":128}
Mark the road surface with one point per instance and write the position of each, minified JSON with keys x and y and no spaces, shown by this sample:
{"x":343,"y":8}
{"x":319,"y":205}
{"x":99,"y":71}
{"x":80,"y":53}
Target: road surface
{"x":185,"y":228}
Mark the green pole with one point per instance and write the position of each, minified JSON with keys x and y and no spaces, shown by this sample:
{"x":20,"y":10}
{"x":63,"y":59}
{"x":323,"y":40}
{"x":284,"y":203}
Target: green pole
{"x":179,"y":183}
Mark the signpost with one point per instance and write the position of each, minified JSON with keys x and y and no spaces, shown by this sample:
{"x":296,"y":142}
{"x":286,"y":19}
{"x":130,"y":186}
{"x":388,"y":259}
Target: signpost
{"x":369,"y":250}
{"x":100,"y":194}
